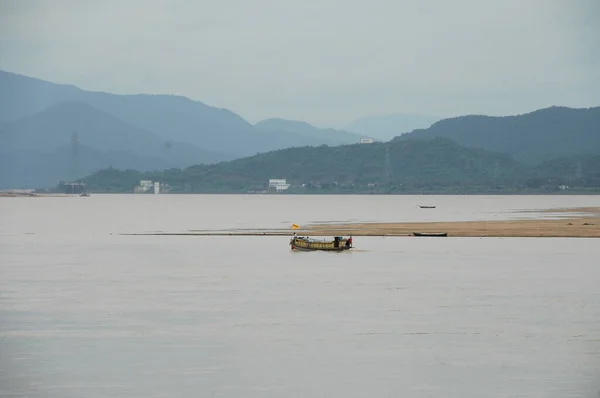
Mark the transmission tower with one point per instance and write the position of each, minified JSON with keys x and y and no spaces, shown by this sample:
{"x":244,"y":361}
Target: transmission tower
{"x":74,"y":156}
{"x":388,"y":169}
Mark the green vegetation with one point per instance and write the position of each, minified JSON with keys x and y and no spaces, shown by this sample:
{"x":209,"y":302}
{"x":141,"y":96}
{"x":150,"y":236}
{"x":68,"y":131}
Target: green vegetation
{"x":574,"y":171}
{"x":401,"y":166}
{"x":531,"y":138}
{"x":439,"y":165}
{"x":144,"y":132}
{"x":51,"y":132}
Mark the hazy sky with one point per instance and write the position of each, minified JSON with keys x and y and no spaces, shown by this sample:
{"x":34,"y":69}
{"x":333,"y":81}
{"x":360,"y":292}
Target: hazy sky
{"x":324,"y":61}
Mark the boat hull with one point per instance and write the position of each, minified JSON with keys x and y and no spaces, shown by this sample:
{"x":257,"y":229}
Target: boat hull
{"x":308,"y":245}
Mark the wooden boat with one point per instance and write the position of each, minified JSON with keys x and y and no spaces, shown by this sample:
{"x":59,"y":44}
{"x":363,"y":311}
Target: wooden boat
{"x":304,"y":243}
{"x":430,"y":234}
{"x":427,"y":207}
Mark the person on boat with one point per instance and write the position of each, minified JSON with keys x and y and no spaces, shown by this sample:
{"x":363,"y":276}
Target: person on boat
{"x":349,"y":242}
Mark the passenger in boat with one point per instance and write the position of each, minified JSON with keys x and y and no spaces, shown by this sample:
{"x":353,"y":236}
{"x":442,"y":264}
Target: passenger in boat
{"x":349,"y":242}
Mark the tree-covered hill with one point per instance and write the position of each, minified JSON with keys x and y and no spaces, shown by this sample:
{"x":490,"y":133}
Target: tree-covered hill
{"x":398,"y":166}
{"x":578,"y":171}
{"x":530,"y":138}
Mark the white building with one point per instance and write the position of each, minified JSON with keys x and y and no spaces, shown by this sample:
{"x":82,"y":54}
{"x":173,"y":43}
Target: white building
{"x":148,"y":186}
{"x":366,"y":140}
{"x":278,"y":184}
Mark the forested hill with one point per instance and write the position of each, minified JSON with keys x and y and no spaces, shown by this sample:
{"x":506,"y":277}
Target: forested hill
{"x":395,"y":166}
{"x":579,"y":170}
{"x":530,"y":138}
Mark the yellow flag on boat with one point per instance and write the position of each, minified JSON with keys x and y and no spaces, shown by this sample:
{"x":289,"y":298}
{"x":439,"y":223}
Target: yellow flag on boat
{"x":295,"y":226}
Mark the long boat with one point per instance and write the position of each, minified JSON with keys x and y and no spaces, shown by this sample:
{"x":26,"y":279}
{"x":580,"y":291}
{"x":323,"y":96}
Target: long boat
{"x":433,"y":234}
{"x":304,"y":243}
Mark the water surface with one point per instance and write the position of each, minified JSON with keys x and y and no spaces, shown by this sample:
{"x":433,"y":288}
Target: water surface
{"x":86,"y":312}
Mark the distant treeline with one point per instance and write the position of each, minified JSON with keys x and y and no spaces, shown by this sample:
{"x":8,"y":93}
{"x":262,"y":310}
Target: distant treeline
{"x":400,"y":166}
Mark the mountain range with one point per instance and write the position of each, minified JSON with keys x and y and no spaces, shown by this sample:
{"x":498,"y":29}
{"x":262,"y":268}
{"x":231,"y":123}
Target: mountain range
{"x":328,"y":136}
{"x":146,"y":132}
{"x":386,"y":127}
{"x":530,"y":138}
{"x":51,"y":132}
{"x":73,"y":139}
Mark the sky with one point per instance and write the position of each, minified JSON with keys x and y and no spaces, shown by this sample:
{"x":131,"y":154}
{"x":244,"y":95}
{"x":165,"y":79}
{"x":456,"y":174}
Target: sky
{"x":327,"y":62}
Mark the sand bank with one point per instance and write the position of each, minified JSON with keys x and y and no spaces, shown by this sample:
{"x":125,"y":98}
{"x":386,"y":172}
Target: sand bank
{"x":571,"y":225}
{"x":582,"y":227}
{"x":574,"y":226}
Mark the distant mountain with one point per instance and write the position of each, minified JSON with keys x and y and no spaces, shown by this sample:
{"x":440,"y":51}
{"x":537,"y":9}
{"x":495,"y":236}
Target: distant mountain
{"x":44,"y":169}
{"x":386,"y":127}
{"x":36,"y":145}
{"x":151,"y":132}
{"x":171,"y":117}
{"x":532,"y":138}
{"x":386,"y":167}
{"x":22,"y":96}
{"x":326,"y":136}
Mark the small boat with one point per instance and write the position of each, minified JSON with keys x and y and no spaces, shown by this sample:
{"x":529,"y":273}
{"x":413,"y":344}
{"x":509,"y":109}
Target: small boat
{"x":427,"y":207}
{"x":430,"y":234}
{"x":304,"y":243}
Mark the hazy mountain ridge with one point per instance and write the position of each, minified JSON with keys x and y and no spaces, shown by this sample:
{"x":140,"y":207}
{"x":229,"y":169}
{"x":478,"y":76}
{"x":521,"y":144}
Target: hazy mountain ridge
{"x":328,"y":135}
{"x":531,"y":137}
{"x":22,"y":96}
{"x":46,"y":168}
{"x":171,"y":117}
{"x":386,"y":127}
{"x":174,"y":131}
{"x":32,"y":143}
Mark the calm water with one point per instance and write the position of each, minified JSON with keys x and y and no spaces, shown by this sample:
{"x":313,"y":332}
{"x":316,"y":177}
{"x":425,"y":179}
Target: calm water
{"x":86,"y":312}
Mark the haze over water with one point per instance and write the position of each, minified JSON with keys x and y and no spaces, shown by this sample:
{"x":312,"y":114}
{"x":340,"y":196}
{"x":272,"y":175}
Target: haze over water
{"x":88,"y":312}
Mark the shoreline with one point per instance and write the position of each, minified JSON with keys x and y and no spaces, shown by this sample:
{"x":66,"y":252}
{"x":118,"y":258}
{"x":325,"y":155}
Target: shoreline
{"x":28,"y":194}
{"x":34,"y":195}
{"x":575,"y":226}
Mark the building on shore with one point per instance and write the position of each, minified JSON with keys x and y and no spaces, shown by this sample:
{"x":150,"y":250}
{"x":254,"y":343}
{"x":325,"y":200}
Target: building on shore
{"x":147,"y":186}
{"x":143,"y":187}
{"x":74,"y":188}
{"x":278,"y":185}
